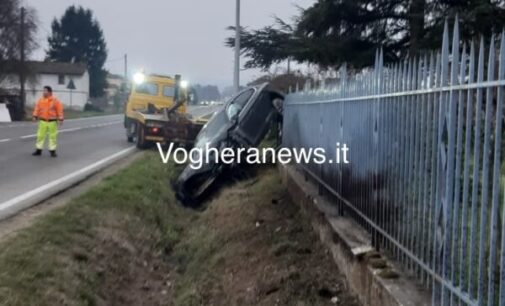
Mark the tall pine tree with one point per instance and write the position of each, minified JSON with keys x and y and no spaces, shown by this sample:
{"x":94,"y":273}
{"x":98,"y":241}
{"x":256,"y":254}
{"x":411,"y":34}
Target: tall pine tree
{"x":331,"y":32}
{"x":78,"y":38}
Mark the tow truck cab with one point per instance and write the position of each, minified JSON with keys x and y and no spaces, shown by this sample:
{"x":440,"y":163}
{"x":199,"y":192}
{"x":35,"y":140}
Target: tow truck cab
{"x":158,"y":90}
{"x":156,"y":112}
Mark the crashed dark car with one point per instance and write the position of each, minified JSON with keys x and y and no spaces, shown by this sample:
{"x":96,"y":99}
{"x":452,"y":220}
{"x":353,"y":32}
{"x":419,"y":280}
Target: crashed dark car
{"x":242,"y":122}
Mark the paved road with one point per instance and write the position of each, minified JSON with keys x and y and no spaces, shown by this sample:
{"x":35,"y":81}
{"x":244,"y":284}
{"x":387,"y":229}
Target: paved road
{"x":82,"y":142}
{"x":203,"y":109}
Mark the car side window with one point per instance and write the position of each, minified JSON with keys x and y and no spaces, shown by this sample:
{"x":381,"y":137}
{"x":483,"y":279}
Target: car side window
{"x":238,"y":103}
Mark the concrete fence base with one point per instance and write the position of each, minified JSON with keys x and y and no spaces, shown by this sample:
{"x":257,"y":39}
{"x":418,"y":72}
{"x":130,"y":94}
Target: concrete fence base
{"x":376,"y":280}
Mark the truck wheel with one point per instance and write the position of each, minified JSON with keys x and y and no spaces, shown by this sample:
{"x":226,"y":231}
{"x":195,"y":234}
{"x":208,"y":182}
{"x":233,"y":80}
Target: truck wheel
{"x":129,"y":135}
{"x":140,"y":140}
{"x":130,"y":130}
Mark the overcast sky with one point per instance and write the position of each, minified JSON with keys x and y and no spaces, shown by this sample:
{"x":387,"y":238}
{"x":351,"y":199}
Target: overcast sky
{"x":169,"y":36}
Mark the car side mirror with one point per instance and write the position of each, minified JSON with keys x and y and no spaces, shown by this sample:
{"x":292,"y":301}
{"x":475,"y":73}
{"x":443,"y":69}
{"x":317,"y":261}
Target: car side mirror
{"x":233,"y":113}
{"x":278,"y":105}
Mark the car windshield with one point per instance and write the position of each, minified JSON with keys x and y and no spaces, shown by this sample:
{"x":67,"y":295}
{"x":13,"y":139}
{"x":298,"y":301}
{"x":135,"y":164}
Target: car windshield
{"x":212,"y":129}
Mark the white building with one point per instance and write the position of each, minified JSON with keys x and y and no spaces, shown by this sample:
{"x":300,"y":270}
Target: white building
{"x":69,"y":81}
{"x":114,"y":83}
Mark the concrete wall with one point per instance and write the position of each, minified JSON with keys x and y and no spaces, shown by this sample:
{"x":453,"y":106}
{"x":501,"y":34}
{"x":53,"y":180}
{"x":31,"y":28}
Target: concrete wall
{"x":375,"y":279}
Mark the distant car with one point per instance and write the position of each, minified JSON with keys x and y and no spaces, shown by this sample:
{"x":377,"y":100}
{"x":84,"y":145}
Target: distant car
{"x":243,"y":122}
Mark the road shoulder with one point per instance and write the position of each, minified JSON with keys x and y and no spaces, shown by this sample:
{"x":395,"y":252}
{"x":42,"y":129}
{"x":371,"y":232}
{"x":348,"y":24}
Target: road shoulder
{"x":25,"y":218}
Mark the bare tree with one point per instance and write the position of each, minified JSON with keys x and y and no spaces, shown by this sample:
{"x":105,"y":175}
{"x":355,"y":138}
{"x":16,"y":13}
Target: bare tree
{"x":17,"y":37}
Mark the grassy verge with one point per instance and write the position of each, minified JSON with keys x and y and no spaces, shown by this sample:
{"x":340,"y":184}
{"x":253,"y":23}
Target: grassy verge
{"x":251,"y":246}
{"x":97,"y":247}
{"x":126,"y":242}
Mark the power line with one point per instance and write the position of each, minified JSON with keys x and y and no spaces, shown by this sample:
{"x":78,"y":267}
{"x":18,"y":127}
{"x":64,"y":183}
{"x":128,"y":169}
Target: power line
{"x":115,"y":60}
{"x":236,"y":72}
{"x":45,"y":30}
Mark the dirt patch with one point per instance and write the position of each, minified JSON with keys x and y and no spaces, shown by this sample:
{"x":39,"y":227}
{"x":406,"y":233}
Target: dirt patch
{"x":128,"y":271}
{"x":252,"y":247}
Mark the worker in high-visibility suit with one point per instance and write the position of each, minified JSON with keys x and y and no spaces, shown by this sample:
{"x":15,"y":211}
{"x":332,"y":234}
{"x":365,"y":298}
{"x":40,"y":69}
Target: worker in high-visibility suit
{"x":49,"y":112}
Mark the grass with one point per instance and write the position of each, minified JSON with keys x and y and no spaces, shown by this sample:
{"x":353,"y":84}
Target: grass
{"x":47,"y":263}
{"x":199,"y":254}
{"x":252,"y":247}
{"x":127,"y":242}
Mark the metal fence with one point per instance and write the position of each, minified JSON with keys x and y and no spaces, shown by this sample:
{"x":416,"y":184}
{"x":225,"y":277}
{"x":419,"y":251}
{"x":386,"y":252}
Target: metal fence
{"x":425,"y":176}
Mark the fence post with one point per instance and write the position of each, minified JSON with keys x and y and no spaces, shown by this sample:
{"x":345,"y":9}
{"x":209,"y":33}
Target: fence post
{"x":440,"y":182}
{"x":449,"y":188}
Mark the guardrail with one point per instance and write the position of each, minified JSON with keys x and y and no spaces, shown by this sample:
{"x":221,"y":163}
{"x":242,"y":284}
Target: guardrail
{"x":425,"y":176}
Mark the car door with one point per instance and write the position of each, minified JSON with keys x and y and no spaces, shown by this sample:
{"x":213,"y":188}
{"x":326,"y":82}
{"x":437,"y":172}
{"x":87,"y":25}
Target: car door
{"x":255,"y":118}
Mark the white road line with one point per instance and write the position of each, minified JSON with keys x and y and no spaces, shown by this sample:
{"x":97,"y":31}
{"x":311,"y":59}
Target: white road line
{"x":74,"y":129}
{"x":28,"y":136}
{"x":196,"y":107}
{"x":15,"y":125}
{"x":71,"y":130}
{"x":67,"y":178}
{"x":5,"y":140}
{"x":10,"y":125}
{"x":94,"y":117}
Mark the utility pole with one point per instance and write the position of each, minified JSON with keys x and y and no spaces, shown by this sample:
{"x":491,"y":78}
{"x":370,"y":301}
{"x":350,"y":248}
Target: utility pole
{"x":123,"y":89}
{"x":22,"y":68}
{"x":236,"y":78}
{"x":125,"y":67}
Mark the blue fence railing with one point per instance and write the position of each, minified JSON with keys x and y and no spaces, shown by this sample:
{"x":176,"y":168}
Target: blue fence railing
{"x":426,"y":175}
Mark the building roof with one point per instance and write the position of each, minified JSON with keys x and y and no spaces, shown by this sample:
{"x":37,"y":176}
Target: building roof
{"x":57,"y":68}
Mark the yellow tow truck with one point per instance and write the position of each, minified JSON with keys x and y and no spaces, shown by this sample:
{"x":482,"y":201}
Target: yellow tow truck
{"x":157,"y":112}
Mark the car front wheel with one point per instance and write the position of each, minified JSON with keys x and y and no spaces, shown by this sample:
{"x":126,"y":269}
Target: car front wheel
{"x":191,"y":192}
